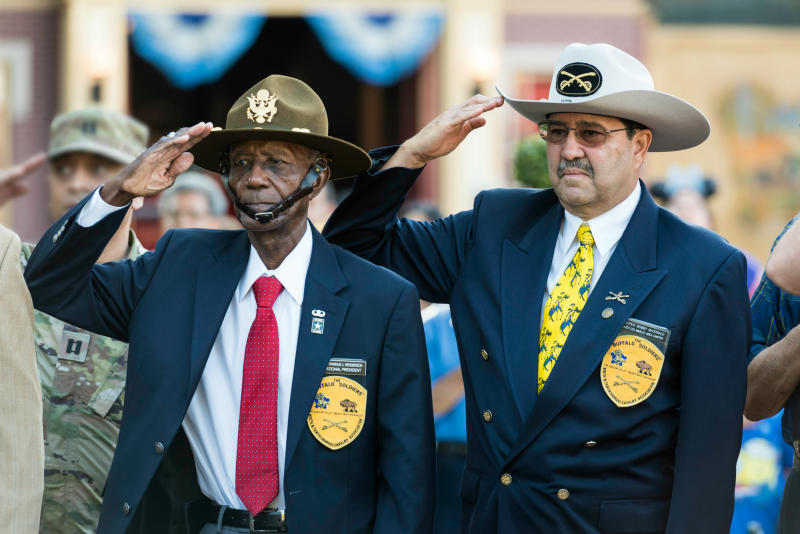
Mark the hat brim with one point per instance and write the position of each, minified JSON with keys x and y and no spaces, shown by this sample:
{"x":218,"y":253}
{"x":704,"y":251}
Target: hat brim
{"x":117,"y":156}
{"x":347,"y":159}
{"x":676,"y":124}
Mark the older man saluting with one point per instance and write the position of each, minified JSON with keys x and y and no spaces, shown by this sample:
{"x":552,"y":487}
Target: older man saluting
{"x":297,"y":370}
{"x":603,"y":341}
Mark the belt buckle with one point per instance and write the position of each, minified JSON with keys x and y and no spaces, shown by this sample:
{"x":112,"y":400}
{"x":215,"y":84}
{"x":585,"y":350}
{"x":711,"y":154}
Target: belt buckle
{"x":282,"y":528}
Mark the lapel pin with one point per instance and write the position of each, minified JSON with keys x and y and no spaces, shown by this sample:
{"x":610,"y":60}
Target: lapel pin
{"x":317,"y":323}
{"x":608,"y":312}
{"x":617,"y":296}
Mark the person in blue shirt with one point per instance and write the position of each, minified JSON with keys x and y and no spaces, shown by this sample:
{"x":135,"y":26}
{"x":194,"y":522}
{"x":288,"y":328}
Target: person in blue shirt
{"x":760,"y":476}
{"x":773,"y":373}
{"x":449,"y":405}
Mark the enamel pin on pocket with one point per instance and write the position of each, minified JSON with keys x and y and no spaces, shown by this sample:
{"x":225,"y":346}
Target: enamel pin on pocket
{"x":317,"y":323}
{"x":632,"y":366}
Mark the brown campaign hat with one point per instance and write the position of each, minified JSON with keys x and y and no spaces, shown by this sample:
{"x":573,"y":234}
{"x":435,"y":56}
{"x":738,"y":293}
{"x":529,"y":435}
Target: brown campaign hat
{"x":280,"y":108}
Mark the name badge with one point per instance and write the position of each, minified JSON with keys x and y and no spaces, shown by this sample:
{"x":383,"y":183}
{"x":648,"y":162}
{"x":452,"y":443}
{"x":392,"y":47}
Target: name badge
{"x":345,"y":367}
{"x":632,"y":366}
{"x":338,"y":412}
{"x":74,"y":346}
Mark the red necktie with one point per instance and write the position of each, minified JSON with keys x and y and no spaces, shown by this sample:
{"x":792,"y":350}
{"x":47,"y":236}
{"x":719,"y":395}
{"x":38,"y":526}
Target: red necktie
{"x":257,"y":449}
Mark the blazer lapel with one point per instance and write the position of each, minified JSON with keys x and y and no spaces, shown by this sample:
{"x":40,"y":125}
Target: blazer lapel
{"x":216,"y":283}
{"x":525,"y":270}
{"x":630,"y":270}
{"x":314,"y":351}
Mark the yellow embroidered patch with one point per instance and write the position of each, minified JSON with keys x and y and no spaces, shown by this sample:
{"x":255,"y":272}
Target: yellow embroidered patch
{"x":630,"y":370}
{"x":337,"y":414}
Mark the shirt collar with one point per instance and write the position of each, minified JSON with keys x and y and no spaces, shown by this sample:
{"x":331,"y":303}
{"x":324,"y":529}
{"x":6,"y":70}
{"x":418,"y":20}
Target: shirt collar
{"x":607,"y":229}
{"x":291,"y":273}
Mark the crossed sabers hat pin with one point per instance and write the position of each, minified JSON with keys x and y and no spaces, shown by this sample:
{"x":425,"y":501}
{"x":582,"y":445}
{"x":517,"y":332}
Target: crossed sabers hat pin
{"x":587,"y":85}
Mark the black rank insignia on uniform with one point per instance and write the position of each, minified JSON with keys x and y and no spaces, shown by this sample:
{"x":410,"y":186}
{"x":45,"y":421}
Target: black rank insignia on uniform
{"x":578,"y":79}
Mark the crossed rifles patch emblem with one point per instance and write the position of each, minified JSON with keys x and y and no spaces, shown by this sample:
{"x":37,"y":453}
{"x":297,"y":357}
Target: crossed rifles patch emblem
{"x":578,"y":79}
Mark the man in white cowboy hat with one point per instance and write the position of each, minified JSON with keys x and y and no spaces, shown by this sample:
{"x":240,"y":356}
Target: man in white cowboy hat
{"x":603,"y":341}
{"x":297,"y":370}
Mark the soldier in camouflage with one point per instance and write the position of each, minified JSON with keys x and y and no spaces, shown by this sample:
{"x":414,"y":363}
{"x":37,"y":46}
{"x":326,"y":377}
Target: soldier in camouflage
{"x":83,"y":374}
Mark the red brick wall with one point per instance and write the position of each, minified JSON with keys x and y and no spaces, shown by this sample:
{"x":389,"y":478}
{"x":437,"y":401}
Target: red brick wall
{"x":41,"y":29}
{"x":623,"y":32}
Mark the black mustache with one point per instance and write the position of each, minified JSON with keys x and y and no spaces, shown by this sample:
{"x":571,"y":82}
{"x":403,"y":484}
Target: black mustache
{"x":580,"y":164}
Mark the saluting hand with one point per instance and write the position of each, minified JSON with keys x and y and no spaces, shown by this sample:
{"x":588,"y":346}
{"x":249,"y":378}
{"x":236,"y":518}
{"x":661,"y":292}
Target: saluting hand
{"x":11,"y":184}
{"x":156,"y":168}
{"x":444,"y":133}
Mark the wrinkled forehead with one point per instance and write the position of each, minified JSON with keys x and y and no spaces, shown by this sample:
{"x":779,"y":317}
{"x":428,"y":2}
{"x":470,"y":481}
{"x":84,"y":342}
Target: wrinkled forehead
{"x":291,"y":151}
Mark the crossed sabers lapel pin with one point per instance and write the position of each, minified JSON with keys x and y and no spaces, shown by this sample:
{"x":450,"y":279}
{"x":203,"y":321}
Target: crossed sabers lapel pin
{"x":618,"y":296}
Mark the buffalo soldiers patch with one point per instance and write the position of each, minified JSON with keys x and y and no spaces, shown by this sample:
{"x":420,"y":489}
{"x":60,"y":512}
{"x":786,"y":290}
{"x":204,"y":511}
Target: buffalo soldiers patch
{"x":632,"y":366}
{"x":338,"y":412}
{"x":578,"y":79}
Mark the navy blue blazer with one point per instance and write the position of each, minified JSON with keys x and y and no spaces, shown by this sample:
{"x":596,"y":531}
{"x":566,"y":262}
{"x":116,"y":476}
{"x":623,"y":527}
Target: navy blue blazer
{"x":664,"y":465}
{"x":169,"y":305}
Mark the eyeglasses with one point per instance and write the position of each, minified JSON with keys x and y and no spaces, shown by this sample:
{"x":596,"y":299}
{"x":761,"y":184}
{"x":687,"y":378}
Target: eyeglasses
{"x":587,"y":134}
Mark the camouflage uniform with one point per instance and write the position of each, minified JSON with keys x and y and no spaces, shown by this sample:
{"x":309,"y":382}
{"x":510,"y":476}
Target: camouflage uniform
{"x":82,"y":401}
{"x":82,"y":411}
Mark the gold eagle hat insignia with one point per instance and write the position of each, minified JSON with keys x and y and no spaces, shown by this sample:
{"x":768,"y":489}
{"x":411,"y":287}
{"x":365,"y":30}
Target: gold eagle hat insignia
{"x":262,"y":107}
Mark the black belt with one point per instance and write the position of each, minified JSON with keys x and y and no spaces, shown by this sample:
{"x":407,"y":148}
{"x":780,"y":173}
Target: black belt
{"x":268,"y":520}
{"x":453,"y":448}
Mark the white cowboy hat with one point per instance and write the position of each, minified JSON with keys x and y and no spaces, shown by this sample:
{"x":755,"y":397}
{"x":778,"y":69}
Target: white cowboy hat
{"x":602,"y":80}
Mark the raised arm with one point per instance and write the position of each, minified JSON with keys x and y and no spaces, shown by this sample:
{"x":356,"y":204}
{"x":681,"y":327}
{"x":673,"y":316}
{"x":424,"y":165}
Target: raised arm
{"x":782,"y":267}
{"x":430,"y":255}
{"x":61,"y":273}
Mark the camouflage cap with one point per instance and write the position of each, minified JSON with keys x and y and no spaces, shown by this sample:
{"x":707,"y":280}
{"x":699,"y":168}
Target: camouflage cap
{"x":98,"y":131}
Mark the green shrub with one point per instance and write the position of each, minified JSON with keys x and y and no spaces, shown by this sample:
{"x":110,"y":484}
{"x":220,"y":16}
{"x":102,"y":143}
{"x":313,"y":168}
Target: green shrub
{"x":530,"y":163}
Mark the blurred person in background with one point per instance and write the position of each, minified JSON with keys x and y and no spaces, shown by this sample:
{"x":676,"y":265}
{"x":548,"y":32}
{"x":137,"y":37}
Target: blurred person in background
{"x":21,"y":451}
{"x":685,"y":192}
{"x":449,"y":405}
{"x":83,"y":374}
{"x":773,"y":374}
{"x":195,"y":201}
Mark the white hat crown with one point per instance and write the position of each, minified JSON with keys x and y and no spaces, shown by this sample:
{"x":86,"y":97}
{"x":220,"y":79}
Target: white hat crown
{"x":585,"y":72}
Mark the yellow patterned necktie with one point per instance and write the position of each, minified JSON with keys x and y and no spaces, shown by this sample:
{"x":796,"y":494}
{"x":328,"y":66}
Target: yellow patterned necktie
{"x":565,"y":304}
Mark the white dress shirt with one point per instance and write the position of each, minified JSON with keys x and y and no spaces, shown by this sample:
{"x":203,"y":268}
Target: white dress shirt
{"x":607,"y":230}
{"x":212,"y":421}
